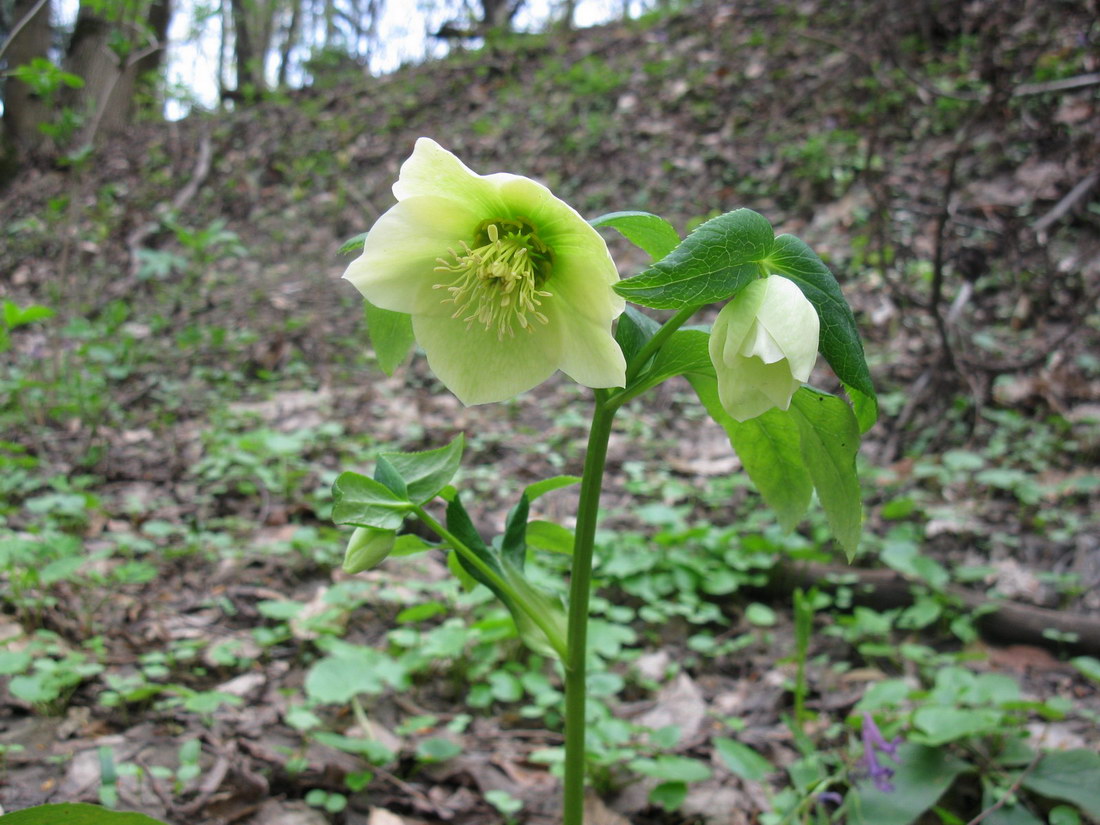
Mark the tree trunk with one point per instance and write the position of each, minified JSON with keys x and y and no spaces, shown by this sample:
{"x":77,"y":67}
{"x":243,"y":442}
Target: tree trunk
{"x":568,"y":11}
{"x":289,"y":42}
{"x":107,"y":95}
{"x":253,"y":29}
{"x":498,"y":14}
{"x":147,"y":67}
{"x":245,"y":56}
{"x":23,"y":110}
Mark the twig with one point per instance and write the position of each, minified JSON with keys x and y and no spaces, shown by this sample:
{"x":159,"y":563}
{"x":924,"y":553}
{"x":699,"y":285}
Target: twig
{"x":1010,"y":792}
{"x":105,"y":100}
{"x":1065,"y":204}
{"x":210,"y":783}
{"x":1003,"y":620}
{"x":938,"y":253}
{"x":420,"y":798}
{"x":915,"y":397}
{"x":1078,"y":82}
{"x":18,"y":27}
{"x":1085,"y":307}
{"x":202,"y":171}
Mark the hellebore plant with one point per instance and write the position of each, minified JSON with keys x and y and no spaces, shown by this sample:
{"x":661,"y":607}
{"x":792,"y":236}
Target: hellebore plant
{"x":502,"y":284}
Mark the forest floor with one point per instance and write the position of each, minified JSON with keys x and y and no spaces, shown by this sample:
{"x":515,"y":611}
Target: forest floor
{"x":176,"y":634}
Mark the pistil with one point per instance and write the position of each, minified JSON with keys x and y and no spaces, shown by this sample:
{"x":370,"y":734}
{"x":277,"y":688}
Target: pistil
{"x":497,"y":282}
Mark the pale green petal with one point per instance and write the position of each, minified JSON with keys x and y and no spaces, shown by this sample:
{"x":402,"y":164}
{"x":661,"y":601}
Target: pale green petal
{"x":773,"y":380}
{"x":760,"y":343}
{"x":752,"y":388}
{"x":734,"y":323}
{"x":432,"y":171}
{"x":742,"y":406}
{"x":792,"y":321}
{"x":478,"y":367}
{"x":397,"y":268}
{"x":763,"y":346}
{"x":584,"y":286}
{"x":590,"y":356}
{"x":556,"y":220}
{"x":583,"y":269}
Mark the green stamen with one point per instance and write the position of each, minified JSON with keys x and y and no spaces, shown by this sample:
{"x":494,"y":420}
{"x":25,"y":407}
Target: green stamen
{"x":498,"y":280}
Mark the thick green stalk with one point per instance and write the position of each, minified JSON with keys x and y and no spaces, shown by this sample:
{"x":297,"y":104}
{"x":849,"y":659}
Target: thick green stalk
{"x":580,"y":587}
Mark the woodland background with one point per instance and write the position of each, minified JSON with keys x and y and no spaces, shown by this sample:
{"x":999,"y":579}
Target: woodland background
{"x":183,"y":374}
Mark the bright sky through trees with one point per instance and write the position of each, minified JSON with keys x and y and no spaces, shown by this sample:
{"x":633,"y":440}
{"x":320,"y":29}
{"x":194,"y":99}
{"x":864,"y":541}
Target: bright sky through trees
{"x":195,"y":35}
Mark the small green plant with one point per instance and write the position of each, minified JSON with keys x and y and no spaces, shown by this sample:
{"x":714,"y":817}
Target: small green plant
{"x":12,"y":316}
{"x":46,"y":80}
{"x":497,"y":310}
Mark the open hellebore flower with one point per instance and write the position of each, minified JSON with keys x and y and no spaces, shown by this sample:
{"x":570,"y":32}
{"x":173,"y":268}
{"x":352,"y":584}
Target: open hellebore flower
{"x":763,"y":346}
{"x":504,"y":282}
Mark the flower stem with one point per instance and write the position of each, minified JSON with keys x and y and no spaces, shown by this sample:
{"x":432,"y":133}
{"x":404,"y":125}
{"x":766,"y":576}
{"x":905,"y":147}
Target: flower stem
{"x":580,"y":587}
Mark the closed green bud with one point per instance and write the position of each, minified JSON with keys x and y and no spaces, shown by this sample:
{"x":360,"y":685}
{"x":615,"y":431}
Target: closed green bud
{"x":368,"y":548}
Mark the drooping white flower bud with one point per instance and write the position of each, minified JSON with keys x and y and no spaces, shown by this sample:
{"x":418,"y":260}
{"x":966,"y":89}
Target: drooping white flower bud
{"x":763,"y":346}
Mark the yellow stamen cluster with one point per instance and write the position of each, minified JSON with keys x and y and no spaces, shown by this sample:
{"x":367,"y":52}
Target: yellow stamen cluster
{"x":497,"y":281}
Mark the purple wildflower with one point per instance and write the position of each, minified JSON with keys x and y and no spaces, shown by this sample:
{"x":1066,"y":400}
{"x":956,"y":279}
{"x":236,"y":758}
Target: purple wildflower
{"x":873,"y":743}
{"x":832,"y":797}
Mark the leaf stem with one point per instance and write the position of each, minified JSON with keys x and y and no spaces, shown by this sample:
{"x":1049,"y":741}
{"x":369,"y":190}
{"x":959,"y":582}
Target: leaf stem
{"x":552,"y":634}
{"x":580,"y":587}
{"x":657,"y":341}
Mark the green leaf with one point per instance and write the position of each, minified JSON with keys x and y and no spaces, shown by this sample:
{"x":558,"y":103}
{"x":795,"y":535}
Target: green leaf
{"x":364,"y":502}
{"x":649,"y":232}
{"x":671,"y":768}
{"x":14,"y":661}
{"x":1013,"y":812}
{"x":513,"y":544}
{"x":385,"y":473}
{"x":922,"y":774}
{"x":548,"y":485}
{"x":75,"y":813}
{"x":840,"y":342}
{"x":1070,"y":776}
{"x":370,"y":749}
{"x":545,"y":535}
{"x":742,"y":760}
{"x":531,"y":601}
{"x":427,"y":473}
{"x":633,"y":331}
{"x":669,"y":795}
{"x":391,"y":335}
{"x":408,"y":545}
{"x":884,"y":694}
{"x":35,"y":688}
{"x":1064,"y":815}
{"x":353,"y":245}
{"x":15,"y":316}
{"x":353,"y":671}
{"x":437,"y":749}
{"x":686,"y":352}
{"x":769,"y":447}
{"x":714,"y":262}
{"x":938,"y":725}
{"x":1087,"y":666}
{"x":518,"y":595}
{"x":830,"y":440}
{"x":459,"y":523}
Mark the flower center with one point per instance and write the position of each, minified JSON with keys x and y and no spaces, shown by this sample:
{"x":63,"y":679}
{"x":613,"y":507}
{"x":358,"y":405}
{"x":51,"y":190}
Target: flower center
{"x":497,"y":281}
